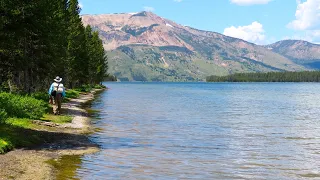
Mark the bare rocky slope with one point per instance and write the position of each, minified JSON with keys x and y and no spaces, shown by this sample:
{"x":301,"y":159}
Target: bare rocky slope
{"x":145,"y":47}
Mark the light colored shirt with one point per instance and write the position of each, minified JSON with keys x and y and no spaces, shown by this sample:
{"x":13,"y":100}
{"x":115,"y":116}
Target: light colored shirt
{"x":57,"y":87}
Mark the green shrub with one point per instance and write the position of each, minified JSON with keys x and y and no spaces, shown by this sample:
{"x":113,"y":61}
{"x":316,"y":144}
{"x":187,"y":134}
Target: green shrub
{"x":99,"y":86}
{"x":41,"y":96}
{"x":89,"y":87}
{"x":22,"y":106}
{"x":84,"y":88}
{"x":3,"y":115}
{"x":72,"y":94}
{"x":5,"y":146}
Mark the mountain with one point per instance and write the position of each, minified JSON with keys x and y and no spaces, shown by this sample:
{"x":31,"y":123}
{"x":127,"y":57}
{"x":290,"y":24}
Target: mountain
{"x":301,"y":52}
{"x":146,"y":47}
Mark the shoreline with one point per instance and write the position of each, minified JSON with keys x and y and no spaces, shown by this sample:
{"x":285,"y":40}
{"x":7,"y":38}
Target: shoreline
{"x":68,"y":139}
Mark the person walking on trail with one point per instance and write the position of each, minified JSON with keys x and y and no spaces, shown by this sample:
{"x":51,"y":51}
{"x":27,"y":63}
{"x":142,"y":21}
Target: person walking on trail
{"x":57,"y":92}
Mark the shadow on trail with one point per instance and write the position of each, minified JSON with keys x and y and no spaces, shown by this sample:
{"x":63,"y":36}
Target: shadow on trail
{"x":73,"y":112}
{"x":31,"y":139}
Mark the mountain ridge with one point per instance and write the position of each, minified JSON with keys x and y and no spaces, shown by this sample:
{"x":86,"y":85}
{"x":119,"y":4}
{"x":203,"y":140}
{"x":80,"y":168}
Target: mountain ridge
{"x":144,"y":46}
{"x":299,"y":51}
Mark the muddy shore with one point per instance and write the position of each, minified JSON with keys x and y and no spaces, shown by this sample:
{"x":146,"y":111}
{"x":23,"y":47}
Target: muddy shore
{"x":67,"y":139}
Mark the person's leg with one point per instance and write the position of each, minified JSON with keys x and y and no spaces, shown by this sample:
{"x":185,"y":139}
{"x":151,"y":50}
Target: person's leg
{"x":59,"y":99}
{"x":55,"y":105}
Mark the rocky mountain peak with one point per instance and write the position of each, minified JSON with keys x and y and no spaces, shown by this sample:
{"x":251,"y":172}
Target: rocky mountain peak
{"x":144,"y":46}
{"x":135,"y":28}
{"x":300,"y":51}
{"x":292,"y":43}
{"x":144,"y":14}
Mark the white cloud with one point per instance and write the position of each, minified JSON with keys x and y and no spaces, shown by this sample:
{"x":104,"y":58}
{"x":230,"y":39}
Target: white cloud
{"x":307,"y":15}
{"x":178,"y":0}
{"x":250,"y":2}
{"x":148,"y":8}
{"x":309,"y":35}
{"x":253,"y":32}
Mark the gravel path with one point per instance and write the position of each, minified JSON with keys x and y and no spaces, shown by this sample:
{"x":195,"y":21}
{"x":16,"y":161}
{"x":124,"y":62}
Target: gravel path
{"x":80,"y":116}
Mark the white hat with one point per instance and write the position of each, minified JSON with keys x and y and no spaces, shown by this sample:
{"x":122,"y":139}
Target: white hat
{"x":58,"y":79}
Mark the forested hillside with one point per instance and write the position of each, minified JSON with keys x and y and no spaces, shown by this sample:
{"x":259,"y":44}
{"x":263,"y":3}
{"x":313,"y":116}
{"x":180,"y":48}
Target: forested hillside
{"x":42,"y":39}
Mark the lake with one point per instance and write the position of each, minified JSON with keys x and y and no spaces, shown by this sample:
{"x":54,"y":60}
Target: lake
{"x":206,"y":131}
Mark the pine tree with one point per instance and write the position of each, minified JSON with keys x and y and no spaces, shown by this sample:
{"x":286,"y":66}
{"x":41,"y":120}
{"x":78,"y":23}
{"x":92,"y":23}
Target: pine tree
{"x":77,"y":55}
{"x":44,"y":38}
{"x":97,"y":58}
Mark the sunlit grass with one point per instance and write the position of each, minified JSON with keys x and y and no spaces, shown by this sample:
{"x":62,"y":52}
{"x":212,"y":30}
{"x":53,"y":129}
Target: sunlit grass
{"x":4,"y":145}
{"x":17,"y":133}
{"x":61,"y":119}
{"x":70,"y":93}
{"x":23,"y":123}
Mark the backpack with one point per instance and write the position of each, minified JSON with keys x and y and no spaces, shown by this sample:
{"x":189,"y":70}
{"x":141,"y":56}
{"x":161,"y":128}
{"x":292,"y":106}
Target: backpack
{"x":54,"y":92}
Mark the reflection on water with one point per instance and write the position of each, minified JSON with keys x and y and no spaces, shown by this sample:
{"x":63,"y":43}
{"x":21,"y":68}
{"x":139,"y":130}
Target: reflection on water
{"x":206,"y":131}
{"x":66,"y":167}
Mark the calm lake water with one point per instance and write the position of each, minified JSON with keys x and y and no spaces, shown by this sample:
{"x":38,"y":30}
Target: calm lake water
{"x":206,"y":131}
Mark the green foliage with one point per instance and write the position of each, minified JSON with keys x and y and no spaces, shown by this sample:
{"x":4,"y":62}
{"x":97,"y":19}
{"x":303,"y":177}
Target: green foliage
{"x":72,"y":94}
{"x":167,"y":63}
{"x":22,"y":106}
{"x":84,"y":88}
{"x":43,"y":39}
{"x":305,"y":76}
{"x":3,"y":115}
{"x":98,"y":63}
{"x":41,"y":96}
{"x":78,"y":55}
{"x":111,"y":78}
{"x":19,"y":122}
{"x":99,"y":86}
{"x":16,"y":133}
{"x":5,"y":145}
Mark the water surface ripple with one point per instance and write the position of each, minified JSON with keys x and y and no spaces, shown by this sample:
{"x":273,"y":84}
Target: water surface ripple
{"x":206,"y":131}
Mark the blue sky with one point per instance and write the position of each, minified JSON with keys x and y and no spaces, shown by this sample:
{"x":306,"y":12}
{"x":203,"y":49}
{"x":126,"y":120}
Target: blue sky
{"x":258,"y":21}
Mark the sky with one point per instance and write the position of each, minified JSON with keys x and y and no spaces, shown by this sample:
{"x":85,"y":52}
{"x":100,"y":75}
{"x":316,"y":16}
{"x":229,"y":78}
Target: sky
{"x":257,"y":21}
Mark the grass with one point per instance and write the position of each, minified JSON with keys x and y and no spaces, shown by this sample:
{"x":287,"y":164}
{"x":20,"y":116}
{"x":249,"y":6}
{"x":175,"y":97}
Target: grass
{"x":17,"y":122}
{"x":5,"y":145}
{"x":72,"y":93}
{"x":62,"y":119}
{"x":17,"y":133}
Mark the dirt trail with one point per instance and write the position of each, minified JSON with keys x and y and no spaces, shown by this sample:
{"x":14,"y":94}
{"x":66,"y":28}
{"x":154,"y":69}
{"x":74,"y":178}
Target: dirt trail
{"x":68,"y":139}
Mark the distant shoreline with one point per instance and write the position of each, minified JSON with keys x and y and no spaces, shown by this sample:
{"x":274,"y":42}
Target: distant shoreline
{"x":303,"y":76}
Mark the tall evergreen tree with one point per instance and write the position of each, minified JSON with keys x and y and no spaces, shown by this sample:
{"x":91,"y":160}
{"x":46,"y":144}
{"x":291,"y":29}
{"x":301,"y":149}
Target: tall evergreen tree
{"x":102,"y":59}
{"x":42,"y":39}
{"x":77,"y":56}
{"x":97,"y":58}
